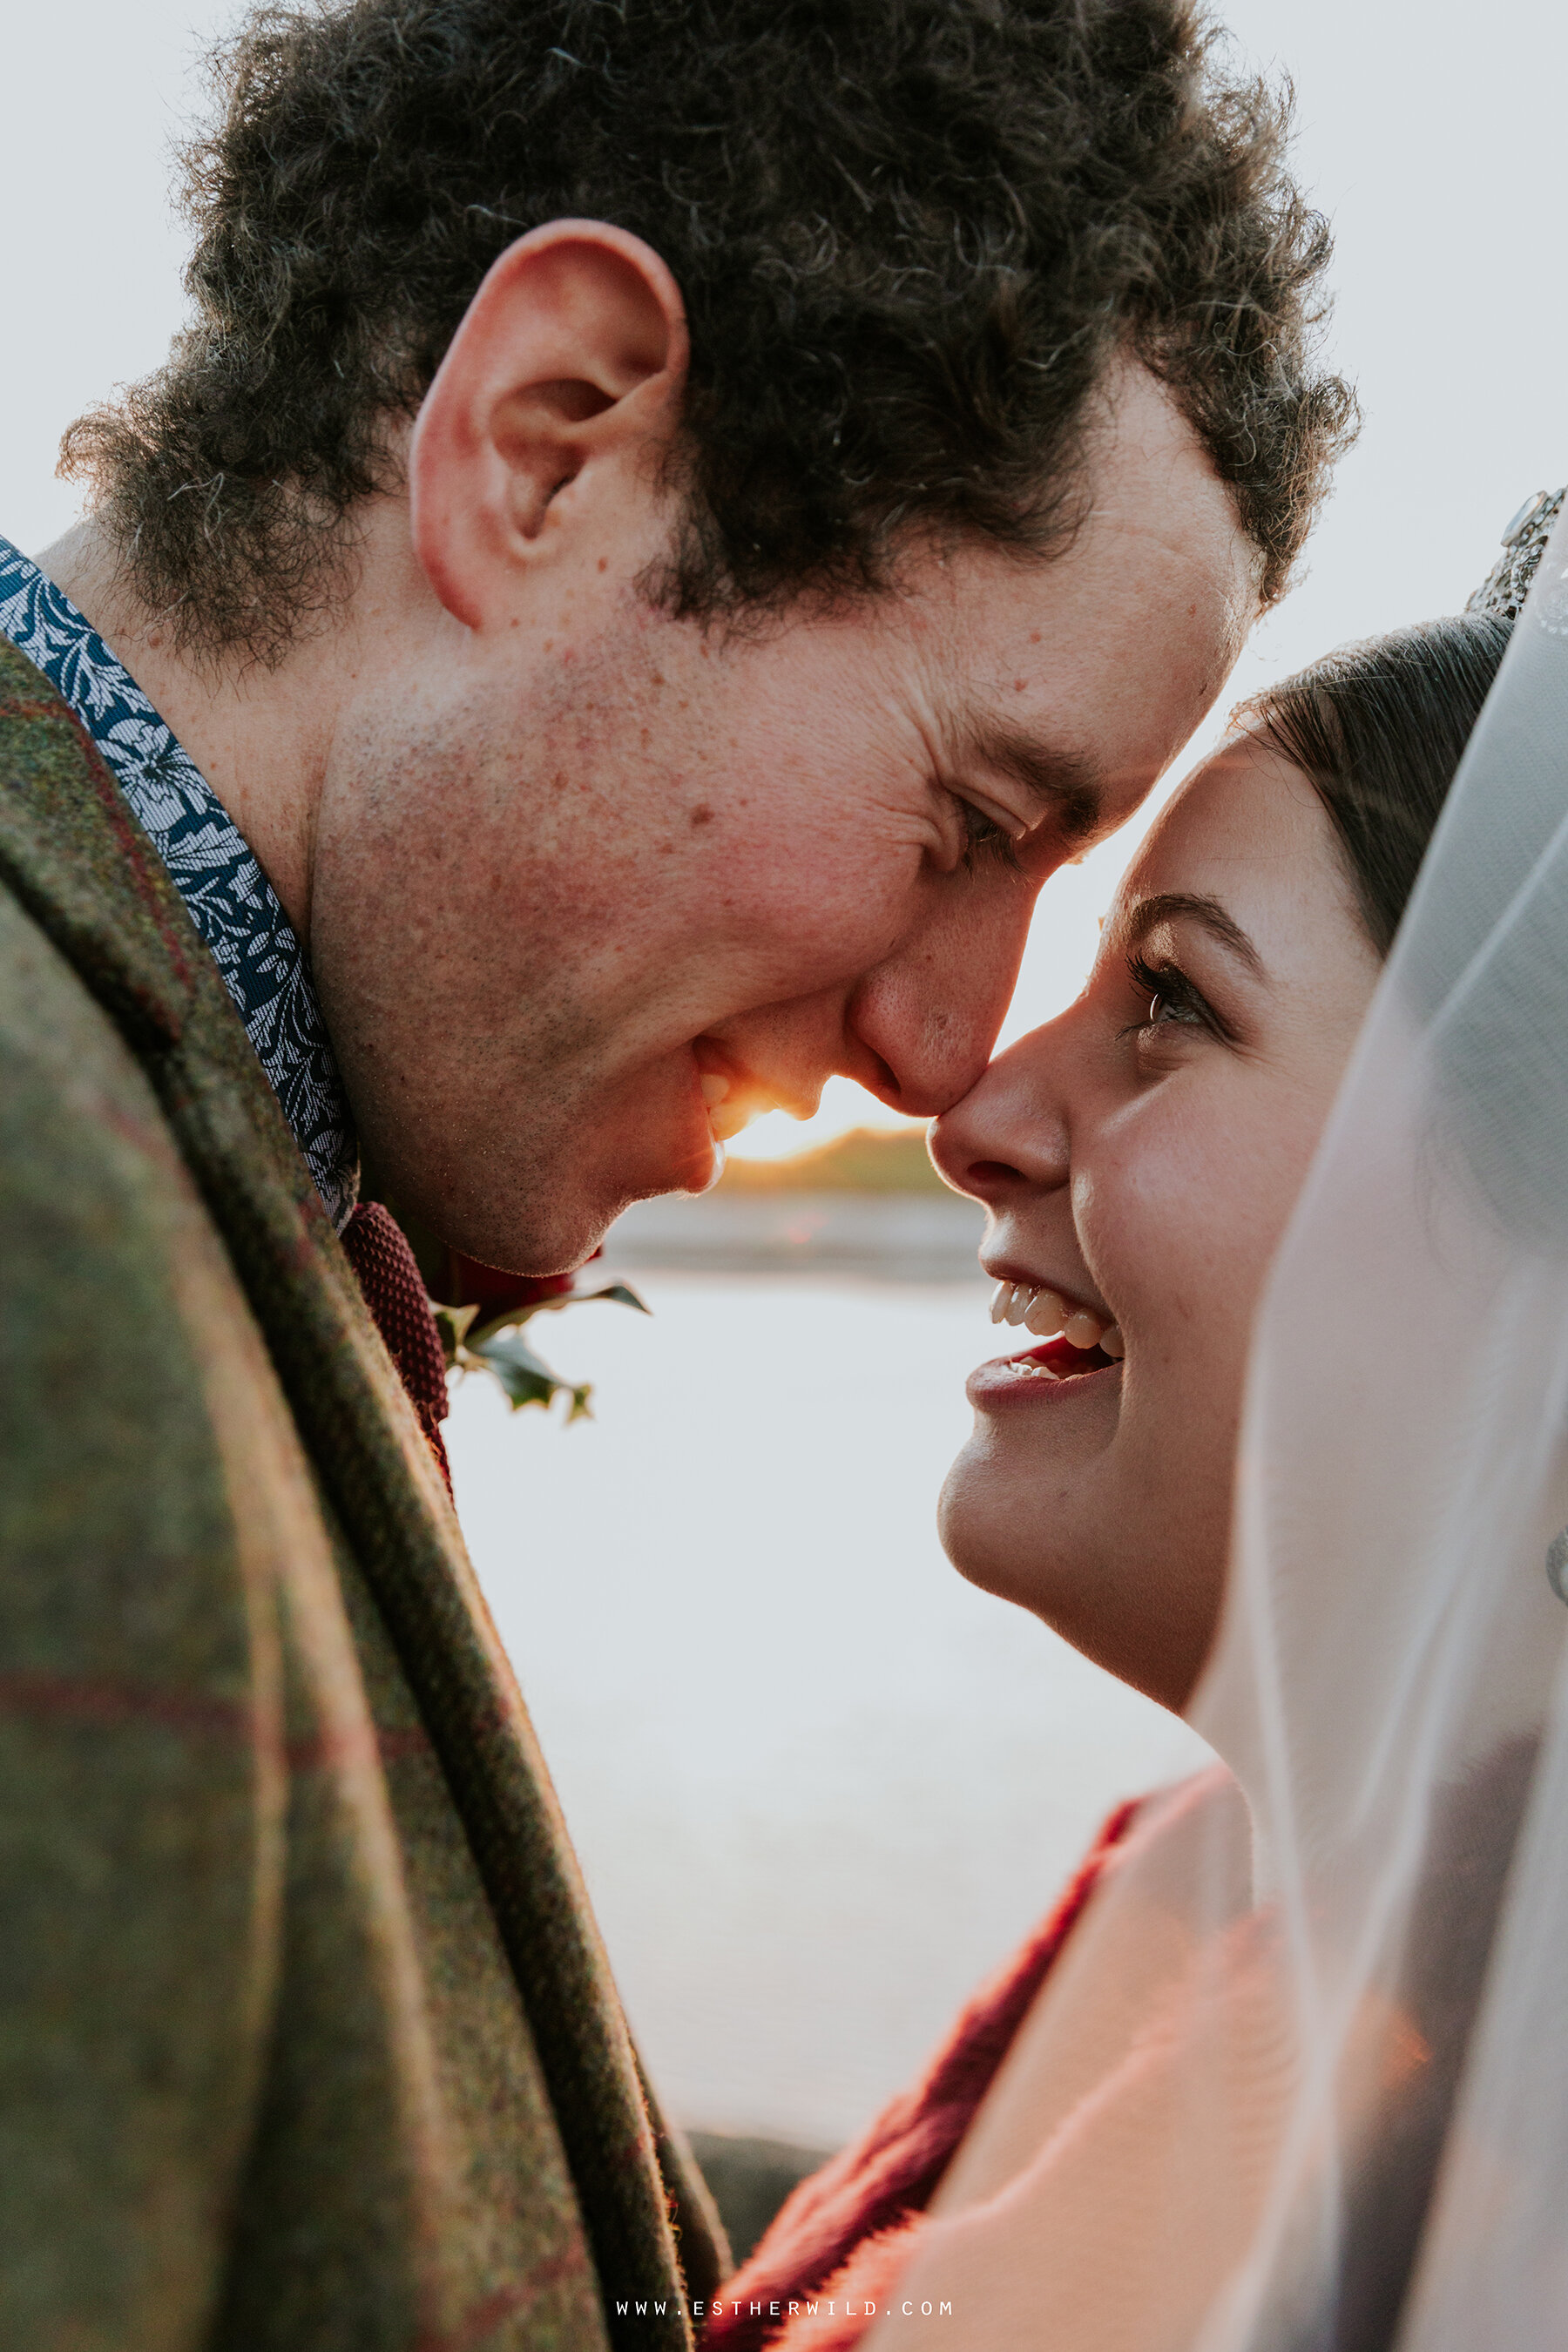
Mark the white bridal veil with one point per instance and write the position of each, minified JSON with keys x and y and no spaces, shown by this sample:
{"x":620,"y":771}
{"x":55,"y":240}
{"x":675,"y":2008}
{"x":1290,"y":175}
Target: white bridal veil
{"x":1391,"y":1674}
{"x":1300,"y":2083}
{"x":1391,"y":1683}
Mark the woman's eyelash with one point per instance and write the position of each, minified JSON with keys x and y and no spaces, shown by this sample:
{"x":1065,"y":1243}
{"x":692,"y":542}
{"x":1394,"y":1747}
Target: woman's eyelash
{"x":1168,"y":985}
{"x":986,"y":839}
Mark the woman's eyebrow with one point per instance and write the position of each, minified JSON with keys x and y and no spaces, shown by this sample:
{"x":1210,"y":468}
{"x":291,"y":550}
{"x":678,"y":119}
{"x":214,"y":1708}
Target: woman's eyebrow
{"x":1181,"y":906}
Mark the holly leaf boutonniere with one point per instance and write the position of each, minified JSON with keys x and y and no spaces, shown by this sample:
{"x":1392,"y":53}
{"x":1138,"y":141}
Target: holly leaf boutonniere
{"x":485,"y":1333}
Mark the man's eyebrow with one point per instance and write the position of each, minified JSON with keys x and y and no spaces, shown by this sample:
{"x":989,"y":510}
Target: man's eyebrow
{"x":1063,"y":783}
{"x":1181,"y":905}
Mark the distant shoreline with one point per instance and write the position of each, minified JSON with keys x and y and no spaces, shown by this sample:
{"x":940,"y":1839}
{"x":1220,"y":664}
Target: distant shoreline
{"x":867,"y":1204}
{"x":888,"y":1237}
{"x":866,"y":1160}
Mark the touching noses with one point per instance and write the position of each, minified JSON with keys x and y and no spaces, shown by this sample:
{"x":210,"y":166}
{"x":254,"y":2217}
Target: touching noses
{"x":1008,"y":1135}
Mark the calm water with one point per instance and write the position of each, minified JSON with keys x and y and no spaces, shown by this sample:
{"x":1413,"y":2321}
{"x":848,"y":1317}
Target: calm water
{"x":819,"y":1786}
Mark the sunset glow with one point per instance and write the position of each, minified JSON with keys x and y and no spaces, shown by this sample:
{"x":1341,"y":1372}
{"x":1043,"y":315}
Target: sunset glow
{"x":844,"y":1106}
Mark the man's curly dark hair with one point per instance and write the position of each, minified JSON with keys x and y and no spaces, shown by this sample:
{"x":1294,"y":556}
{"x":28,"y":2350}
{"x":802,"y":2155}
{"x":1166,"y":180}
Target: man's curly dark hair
{"x":910,"y":234}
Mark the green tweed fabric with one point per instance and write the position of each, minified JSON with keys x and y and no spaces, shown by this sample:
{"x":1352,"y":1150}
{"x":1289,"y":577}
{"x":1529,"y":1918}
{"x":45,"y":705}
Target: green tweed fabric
{"x":307,"y":2038}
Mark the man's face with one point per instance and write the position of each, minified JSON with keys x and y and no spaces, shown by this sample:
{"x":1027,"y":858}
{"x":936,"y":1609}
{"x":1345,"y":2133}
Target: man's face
{"x":597,"y":888}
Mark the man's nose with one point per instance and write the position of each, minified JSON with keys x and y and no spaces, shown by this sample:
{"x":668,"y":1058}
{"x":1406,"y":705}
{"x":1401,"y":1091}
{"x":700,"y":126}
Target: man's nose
{"x":921,"y":1026}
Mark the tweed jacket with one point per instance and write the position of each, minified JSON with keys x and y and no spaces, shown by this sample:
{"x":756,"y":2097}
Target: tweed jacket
{"x":306,"y":2039}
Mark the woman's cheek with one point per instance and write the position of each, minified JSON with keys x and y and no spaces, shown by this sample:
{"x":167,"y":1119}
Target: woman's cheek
{"x":1150,"y":1216}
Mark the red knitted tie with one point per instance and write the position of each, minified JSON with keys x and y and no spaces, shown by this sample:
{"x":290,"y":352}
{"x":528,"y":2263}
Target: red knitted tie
{"x":394,"y":1291}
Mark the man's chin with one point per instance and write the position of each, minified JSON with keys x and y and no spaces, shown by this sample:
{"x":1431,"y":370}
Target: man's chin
{"x":544,"y":1206}
{"x":534,"y":1245}
{"x":553,"y":1229}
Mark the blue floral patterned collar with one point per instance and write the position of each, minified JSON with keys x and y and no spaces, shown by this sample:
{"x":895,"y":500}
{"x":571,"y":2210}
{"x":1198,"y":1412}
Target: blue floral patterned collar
{"x":228,"y":896}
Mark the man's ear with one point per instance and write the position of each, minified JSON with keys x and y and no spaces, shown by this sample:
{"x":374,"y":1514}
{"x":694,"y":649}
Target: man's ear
{"x":569,"y":362}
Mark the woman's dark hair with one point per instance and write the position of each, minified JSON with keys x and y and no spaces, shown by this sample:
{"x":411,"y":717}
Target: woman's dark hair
{"x":1379,"y":729}
{"x":911,"y":236}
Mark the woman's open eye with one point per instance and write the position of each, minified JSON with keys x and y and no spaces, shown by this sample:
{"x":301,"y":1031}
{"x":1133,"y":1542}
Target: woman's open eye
{"x":986,"y":840}
{"x":1173,"y":999}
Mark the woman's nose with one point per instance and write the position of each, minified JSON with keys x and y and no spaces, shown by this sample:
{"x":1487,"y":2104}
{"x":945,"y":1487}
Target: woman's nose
{"x":1008,"y":1133}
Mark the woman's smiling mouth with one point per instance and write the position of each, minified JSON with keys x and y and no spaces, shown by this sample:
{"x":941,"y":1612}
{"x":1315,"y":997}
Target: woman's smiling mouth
{"x":1086,"y":1344}
{"x":1044,"y":1311}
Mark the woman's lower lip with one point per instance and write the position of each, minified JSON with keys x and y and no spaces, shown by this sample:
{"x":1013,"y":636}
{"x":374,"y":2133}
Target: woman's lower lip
{"x":1041,"y":1375}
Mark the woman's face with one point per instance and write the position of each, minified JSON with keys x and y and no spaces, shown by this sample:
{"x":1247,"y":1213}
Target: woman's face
{"x":1140,"y":1157}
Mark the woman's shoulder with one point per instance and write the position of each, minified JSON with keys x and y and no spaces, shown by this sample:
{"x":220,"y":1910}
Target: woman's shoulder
{"x":876,"y":2188}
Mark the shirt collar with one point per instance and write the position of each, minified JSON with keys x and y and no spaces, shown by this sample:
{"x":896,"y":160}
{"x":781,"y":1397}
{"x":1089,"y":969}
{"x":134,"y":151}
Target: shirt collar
{"x":227,"y":894}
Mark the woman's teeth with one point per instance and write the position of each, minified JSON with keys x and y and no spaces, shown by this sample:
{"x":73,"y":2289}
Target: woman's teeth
{"x":1042,"y":1312}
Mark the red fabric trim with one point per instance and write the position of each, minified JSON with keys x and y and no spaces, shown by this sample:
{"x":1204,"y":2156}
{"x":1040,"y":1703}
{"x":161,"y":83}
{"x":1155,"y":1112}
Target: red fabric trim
{"x":874,"y":2190}
{"x":834,"y":2316}
{"x":394,"y":1287}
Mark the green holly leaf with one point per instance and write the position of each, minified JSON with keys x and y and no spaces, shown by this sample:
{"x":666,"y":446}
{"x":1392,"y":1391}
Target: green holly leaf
{"x":527,"y":1377}
{"x":497,"y":1345}
{"x":512,"y":1318}
{"x":624,"y":1295}
{"x":453,"y":1324}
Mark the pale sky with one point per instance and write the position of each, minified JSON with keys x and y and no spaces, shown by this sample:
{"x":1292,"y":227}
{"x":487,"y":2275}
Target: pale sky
{"x":1426,"y":129}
